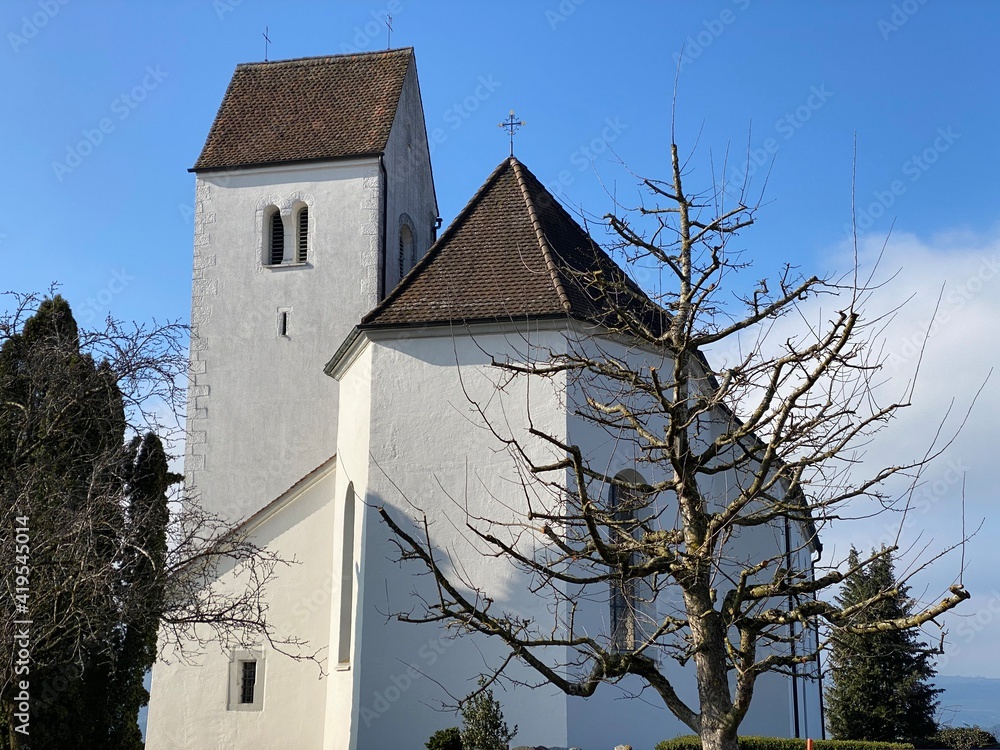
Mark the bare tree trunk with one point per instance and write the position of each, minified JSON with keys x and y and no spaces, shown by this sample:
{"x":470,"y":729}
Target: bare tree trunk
{"x":718,"y":728}
{"x":717,"y":736}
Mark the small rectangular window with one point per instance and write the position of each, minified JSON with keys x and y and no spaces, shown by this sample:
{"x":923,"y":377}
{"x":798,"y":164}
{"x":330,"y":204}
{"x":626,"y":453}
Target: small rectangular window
{"x":248,"y":680}
{"x":284,"y":314}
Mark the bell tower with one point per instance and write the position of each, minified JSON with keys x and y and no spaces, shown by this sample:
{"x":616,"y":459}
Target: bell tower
{"x":313,"y":194}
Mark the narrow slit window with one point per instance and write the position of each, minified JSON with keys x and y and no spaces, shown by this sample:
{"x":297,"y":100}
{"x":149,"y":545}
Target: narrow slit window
{"x":283,"y":323}
{"x":406,"y":245}
{"x":402,"y":256}
{"x":277,"y":240}
{"x":347,"y":581}
{"x":302,"y":237}
{"x":248,"y":681}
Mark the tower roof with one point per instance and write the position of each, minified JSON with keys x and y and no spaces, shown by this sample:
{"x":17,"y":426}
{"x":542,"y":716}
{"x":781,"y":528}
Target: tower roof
{"x":306,"y":109}
{"x":512,"y":253}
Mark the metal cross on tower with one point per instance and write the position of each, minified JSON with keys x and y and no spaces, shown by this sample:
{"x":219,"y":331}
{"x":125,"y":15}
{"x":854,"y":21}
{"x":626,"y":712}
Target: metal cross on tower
{"x":267,"y":41}
{"x":511,"y":125}
{"x":388,"y":31}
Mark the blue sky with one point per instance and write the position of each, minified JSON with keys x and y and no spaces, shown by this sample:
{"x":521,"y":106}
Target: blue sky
{"x":107,"y":105}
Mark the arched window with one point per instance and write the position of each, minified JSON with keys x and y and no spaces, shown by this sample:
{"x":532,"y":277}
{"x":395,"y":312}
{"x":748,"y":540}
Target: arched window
{"x":347,"y":581}
{"x":302,"y":235}
{"x":276,"y":239}
{"x":623,"y":502}
{"x":406,"y":250}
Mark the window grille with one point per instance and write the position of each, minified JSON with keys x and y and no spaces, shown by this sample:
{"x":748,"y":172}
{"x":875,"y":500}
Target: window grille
{"x":302,"y":241}
{"x":248,"y":680}
{"x":277,"y":254}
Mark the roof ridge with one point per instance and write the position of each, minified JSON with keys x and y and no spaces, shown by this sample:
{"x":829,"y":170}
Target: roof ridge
{"x":320,"y":59}
{"x":543,"y":242}
{"x":435,"y":249}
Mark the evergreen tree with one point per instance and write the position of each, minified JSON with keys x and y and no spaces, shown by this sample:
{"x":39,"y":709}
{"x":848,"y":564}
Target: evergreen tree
{"x":483,"y":725}
{"x":881,"y":687}
{"x":96,"y":512}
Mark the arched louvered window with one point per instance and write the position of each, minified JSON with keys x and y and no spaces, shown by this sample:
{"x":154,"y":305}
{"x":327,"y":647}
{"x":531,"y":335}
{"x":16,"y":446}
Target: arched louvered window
{"x":623,"y":502}
{"x":302,"y":235}
{"x":406,"y":250}
{"x":276,"y":244}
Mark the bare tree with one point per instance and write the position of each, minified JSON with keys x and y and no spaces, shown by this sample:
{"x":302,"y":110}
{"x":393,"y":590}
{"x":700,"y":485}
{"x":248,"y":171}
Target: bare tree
{"x":787,"y":428}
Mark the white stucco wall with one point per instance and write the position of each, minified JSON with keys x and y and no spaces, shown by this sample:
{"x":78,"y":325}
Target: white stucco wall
{"x":436,"y":458}
{"x":424,"y":450}
{"x":771,"y":712}
{"x":261,"y":412}
{"x":352,"y":474}
{"x":188,"y":707}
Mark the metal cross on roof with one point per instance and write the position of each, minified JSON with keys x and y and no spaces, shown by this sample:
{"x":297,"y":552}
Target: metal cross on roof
{"x":267,"y":41}
{"x":511,"y":125}
{"x":388,"y":31}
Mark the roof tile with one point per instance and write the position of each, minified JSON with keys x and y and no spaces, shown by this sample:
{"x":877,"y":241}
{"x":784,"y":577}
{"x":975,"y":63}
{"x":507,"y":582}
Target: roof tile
{"x":513,"y":252}
{"x":310,"y":108}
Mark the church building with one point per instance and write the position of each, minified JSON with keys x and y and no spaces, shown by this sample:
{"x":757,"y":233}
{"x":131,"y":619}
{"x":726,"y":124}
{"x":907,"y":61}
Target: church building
{"x":341,"y":362}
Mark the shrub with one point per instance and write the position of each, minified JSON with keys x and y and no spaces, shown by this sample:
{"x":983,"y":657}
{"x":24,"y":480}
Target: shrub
{"x":483,"y":725}
{"x":962,"y":738}
{"x":691,"y":742}
{"x":445,"y":739}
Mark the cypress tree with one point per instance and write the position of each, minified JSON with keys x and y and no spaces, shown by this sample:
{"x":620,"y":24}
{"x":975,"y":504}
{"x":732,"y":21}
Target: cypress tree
{"x":94,"y":507}
{"x":881,"y":682}
{"x":143,"y":584}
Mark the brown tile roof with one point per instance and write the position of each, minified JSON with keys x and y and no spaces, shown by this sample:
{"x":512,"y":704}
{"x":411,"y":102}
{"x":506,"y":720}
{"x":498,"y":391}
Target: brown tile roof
{"x":512,"y":253}
{"x":310,"y":108}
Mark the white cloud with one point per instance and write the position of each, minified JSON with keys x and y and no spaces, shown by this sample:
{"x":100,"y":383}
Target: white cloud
{"x":959,"y":274}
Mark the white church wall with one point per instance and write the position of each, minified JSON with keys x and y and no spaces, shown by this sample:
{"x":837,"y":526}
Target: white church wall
{"x":610,"y":717}
{"x":410,"y":194}
{"x":261,"y":411}
{"x":437,"y":457}
{"x":342,"y":708}
{"x":429,"y":450}
{"x":191,"y":705}
{"x":808,"y":685}
{"x":772,"y":710}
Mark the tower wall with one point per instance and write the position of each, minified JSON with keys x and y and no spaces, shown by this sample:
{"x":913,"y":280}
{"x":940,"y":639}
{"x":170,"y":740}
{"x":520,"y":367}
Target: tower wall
{"x":261,"y":413}
{"x":410,"y":195}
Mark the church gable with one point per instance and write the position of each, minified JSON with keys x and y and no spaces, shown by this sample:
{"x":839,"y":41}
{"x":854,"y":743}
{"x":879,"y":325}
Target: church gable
{"x":306,"y":109}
